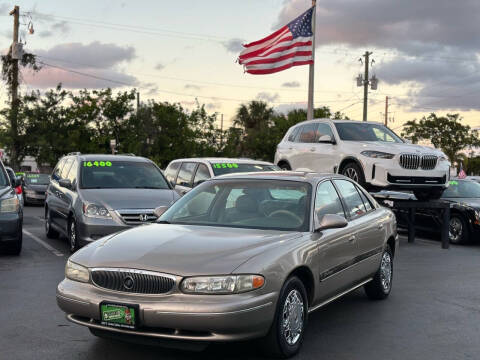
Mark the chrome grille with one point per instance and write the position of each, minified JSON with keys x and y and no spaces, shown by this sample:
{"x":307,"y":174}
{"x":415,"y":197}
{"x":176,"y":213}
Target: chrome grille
{"x":409,"y":161}
{"x":429,"y":162}
{"x":137,"y":216}
{"x":133,"y":281}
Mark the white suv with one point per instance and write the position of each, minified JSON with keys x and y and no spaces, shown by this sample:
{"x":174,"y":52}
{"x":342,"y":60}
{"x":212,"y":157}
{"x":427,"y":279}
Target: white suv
{"x":368,"y":153}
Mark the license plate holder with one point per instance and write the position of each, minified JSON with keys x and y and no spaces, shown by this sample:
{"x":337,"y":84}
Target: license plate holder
{"x":119,"y":315}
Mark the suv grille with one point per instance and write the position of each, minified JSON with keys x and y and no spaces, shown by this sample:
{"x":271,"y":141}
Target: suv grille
{"x":137,"y":216}
{"x":133,"y":281}
{"x":410,"y":161}
{"x":429,"y":162}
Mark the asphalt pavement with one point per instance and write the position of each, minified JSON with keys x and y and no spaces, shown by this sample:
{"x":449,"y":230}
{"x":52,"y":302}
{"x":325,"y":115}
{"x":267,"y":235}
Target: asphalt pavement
{"x":433,"y":311}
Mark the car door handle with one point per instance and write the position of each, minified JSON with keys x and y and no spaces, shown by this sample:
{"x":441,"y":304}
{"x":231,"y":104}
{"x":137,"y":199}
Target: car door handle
{"x":352,"y":238}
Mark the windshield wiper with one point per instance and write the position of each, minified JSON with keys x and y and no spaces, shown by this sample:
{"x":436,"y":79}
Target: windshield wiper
{"x":148,"y":187}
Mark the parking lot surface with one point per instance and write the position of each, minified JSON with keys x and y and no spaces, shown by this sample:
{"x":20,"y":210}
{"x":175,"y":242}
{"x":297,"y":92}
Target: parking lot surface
{"x":432,"y":312}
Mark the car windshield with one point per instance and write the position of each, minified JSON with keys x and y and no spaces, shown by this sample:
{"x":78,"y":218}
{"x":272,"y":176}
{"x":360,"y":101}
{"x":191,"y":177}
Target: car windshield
{"x":254,"y":204}
{"x":36,"y":179}
{"x":228,"y":168}
{"x":462,"y":189}
{"x":3,"y":177}
{"x":366,"y":132}
{"x":120,"y":175}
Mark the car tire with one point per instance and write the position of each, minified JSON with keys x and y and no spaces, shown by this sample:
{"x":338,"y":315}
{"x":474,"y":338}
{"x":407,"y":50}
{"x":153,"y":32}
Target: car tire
{"x":457,"y":230}
{"x":430,"y":194}
{"x":49,"y":231}
{"x":284,"y":166}
{"x":353,"y":171}
{"x":280,"y":341}
{"x":73,"y":235}
{"x":381,"y":285}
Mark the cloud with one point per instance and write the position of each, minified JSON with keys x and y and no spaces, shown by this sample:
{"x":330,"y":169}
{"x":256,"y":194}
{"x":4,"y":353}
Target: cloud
{"x":5,"y":8}
{"x":268,"y":97}
{"x":159,"y":66}
{"x":213,"y":106}
{"x":61,"y":26}
{"x":45,"y":33}
{"x":192,"y":86}
{"x":291,"y":84}
{"x":100,"y":61}
{"x":285,"y":108}
{"x":234,"y":45}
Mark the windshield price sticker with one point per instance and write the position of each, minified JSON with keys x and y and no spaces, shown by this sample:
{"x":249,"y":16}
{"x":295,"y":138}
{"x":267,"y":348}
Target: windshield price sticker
{"x":225,"y":166}
{"x":453,"y":182}
{"x":97,"y":163}
{"x":30,"y":176}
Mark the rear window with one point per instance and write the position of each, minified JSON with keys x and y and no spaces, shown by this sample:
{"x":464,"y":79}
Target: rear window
{"x":36,"y":179}
{"x":229,"y":168}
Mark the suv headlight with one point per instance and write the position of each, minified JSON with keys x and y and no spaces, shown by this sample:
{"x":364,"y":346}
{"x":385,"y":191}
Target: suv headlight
{"x":377,"y":154}
{"x":9,"y":205}
{"x":76,"y":272}
{"x":96,"y":211}
{"x":228,"y":284}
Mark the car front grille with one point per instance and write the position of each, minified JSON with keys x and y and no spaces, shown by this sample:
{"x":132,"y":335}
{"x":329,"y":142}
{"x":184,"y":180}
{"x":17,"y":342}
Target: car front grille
{"x":133,"y":281}
{"x":410,"y":161}
{"x":137,"y":216}
{"x":429,"y":162}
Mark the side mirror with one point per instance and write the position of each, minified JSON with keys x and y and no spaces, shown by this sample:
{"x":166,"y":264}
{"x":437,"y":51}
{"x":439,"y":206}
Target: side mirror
{"x":326,"y":139}
{"x":65,"y":183}
{"x":330,"y":221}
{"x":160,"y":210}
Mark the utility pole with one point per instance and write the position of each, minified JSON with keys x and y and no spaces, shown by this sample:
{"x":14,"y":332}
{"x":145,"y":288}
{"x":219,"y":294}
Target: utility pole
{"x":138,"y":101}
{"x":221,"y":131}
{"x":14,"y":114}
{"x":386,"y":110}
{"x":365,"y":84}
{"x":311,"y":69}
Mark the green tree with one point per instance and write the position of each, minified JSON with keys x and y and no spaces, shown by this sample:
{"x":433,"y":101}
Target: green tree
{"x":444,"y":132}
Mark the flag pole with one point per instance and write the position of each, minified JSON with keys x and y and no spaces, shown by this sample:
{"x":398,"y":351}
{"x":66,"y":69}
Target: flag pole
{"x":311,"y":67}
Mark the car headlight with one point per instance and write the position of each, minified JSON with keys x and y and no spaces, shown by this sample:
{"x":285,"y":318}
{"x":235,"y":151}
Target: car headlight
{"x":76,"y":272}
{"x":443,"y":158}
{"x":97,"y":211}
{"x":9,"y":205}
{"x":228,"y":284}
{"x":377,"y":154}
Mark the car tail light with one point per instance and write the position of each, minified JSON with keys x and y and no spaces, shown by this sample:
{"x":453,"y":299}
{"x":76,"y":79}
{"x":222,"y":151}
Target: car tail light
{"x":18,"y":190}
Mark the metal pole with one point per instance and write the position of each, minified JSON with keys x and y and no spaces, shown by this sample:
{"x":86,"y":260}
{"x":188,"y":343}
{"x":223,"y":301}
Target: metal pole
{"x":14,"y":115}
{"x":365,"y":85}
{"x":311,"y":69}
{"x":221,"y":131}
{"x":386,"y":110}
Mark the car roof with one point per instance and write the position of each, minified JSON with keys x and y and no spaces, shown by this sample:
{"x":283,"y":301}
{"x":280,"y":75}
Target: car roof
{"x":337,"y":121}
{"x":222,"y":160}
{"x":302,"y":176}
{"x":109,"y":157}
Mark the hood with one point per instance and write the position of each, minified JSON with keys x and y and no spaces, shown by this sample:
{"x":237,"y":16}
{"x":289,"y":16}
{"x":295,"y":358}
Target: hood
{"x":113,"y":199}
{"x":395,"y":148}
{"x":36,"y":187}
{"x":472,"y":202}
{"x":183,"y":250}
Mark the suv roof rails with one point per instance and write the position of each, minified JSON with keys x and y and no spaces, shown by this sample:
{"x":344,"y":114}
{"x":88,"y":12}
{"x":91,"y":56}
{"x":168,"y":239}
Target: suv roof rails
{"x":74,"y":153}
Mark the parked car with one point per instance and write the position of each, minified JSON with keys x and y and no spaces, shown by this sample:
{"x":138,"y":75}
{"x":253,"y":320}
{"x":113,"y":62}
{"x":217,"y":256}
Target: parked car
{"x":464,"y":196}
{"x":240,"y":256}
{"x":184,"y":174}
{"x":369,"y":153}
{"x":90,"y":196}
{"x":14,"y":179}
{"x":11,"y":215}
{"x":34,"y":187}
{"x":474,"y":178}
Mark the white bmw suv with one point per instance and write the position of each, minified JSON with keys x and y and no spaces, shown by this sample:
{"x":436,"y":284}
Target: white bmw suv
{"x":369,"y":153}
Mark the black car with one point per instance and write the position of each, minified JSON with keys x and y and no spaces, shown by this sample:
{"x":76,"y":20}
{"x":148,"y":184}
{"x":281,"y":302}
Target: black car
{"x":464,"y":196}
{"x":34,"y":186}
{"x":11,"y":215}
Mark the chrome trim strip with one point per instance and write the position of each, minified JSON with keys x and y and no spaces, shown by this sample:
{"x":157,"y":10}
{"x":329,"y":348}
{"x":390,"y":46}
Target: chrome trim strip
{"x":214,"y":313}
{"x":135,"y":271}
{"x":73,"y":300}
{"x":338,"y":296}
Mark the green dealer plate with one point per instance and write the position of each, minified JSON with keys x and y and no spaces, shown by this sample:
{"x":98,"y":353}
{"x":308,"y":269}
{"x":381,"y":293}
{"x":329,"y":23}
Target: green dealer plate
{"x":119,"y":315}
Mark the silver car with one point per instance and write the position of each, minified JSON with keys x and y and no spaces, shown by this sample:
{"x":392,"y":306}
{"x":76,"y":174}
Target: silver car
{"x":240,"y":256}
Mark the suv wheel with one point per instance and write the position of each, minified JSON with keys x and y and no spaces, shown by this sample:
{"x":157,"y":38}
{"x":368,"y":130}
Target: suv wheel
{"x":72,"y":235}
{"x":286,"y":334}
{"x":428,"y":194}
{"x":284,"y":166}
{"x":51,"y":234}
{"x":354,"y":172}
{"x":457,"y":230}
{"x":381,"y":285}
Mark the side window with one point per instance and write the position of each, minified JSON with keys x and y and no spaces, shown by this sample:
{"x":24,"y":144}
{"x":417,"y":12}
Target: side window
{"x":171,"y":172}
{"x":293,"y":134}
{"x":366,"y":202}
{"x":308,"y":133}
{"x":201,"y":175}
{"x":324,"y":129}
{"x":327,"y":200}
{"x":353,"y":201}
{"x":72,"y":174}
{"x":58,"y":169}
{"x":185,"y":174}
{"x":66,"y":168}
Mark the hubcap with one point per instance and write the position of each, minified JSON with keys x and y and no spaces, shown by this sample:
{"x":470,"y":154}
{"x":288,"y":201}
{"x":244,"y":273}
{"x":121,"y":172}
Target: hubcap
{"x":293,"y":317}
{"x":73,"y":236}
{"x":386,"y":272}
{"x":352,"y":174}
{"x":455,"y":229}
{"x":47,"y":222}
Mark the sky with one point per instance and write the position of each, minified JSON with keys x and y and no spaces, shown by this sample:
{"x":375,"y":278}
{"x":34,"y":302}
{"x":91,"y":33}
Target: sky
{"x":425,"y":53}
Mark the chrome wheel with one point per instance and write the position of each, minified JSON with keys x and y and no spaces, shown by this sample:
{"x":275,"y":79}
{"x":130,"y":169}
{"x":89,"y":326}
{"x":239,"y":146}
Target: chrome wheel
{"x":455,"y":232}
{"x":73,"y":236}
{"x":386,"y":272}
{"x":351,"y":173}
{"x":293,"y":317}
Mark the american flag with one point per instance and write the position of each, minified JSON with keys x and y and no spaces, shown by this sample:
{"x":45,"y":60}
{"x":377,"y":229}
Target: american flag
{"x":289,"y":46}
{"x":461,"y":174}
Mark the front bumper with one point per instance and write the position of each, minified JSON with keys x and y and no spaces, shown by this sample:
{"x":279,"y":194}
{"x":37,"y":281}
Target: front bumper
{"x":174,"y":316}
{"x":91,"y":229}
{"x":10,"y":227}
